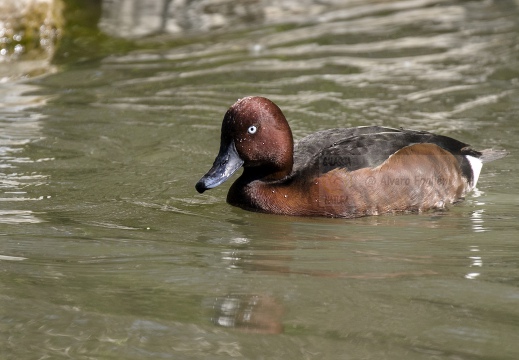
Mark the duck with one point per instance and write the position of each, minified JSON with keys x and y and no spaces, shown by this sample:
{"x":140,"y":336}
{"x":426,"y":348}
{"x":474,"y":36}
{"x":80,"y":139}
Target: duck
{"x":341,"y":172}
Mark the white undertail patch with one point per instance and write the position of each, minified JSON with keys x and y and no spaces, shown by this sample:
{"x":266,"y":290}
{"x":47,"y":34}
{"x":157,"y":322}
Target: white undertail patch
{"x":476,"y":165}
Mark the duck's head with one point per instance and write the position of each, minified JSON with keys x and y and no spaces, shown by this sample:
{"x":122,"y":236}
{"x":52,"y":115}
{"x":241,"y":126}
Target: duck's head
{"x":255,"y":135}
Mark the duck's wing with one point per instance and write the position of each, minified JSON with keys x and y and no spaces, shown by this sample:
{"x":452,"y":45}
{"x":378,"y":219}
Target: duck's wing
{"x":370,"y":149}
{"x":308,"y":147}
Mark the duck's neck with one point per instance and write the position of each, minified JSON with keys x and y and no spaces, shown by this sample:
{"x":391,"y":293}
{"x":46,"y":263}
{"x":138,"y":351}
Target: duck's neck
{"x":265,"y":174}
{"x":254,"y":184}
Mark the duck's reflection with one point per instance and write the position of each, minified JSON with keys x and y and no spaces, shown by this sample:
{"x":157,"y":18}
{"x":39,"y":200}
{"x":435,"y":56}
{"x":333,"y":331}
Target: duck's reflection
{"x":249,"y":313}
{"x":369,"y":251}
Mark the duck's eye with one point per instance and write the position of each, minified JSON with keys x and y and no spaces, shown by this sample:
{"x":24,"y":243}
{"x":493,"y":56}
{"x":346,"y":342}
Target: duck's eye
{"x":252,"y":129}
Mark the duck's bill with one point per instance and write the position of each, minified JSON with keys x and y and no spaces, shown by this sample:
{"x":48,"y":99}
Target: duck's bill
{"x":225,"y":164}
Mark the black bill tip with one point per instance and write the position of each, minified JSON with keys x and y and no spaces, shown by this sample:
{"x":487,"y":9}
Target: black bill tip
{"x":200,"y":186}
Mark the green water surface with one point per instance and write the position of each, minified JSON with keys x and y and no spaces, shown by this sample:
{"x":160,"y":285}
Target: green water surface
{"x":108,"y":252}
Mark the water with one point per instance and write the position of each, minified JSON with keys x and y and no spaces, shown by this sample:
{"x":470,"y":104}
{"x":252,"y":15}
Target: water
{"x":108,"y":252}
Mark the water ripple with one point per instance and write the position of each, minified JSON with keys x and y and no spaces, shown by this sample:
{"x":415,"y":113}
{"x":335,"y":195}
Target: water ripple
{"x":19,"y":126}
{"x":433,"y":76}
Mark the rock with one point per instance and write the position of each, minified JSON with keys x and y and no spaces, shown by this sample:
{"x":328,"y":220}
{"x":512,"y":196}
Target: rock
{"x":29,"y":31}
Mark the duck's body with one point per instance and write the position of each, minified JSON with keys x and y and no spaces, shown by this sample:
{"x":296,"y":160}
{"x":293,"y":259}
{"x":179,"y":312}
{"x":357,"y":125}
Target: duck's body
{"x":352,"y":172}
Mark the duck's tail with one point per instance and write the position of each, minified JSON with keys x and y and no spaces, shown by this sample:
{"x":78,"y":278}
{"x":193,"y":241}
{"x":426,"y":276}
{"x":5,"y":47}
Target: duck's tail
{"x":488,"y":155}
{"x":477,"y":158}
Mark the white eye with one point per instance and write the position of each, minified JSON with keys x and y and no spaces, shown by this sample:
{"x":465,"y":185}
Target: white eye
{"x":252,"y":129}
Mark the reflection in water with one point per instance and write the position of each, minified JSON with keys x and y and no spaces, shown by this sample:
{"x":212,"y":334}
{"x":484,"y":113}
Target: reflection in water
{"x":12,"y":258}
{"x":133,"y":18}
{"x":426,"y":79}
{"x":249,"y":313}
{"x":18,"y":127}
{"x":280,"y":265}
{"x":18,"y":217}
{"x":475,"y":261}
{"x":477,"y":220}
